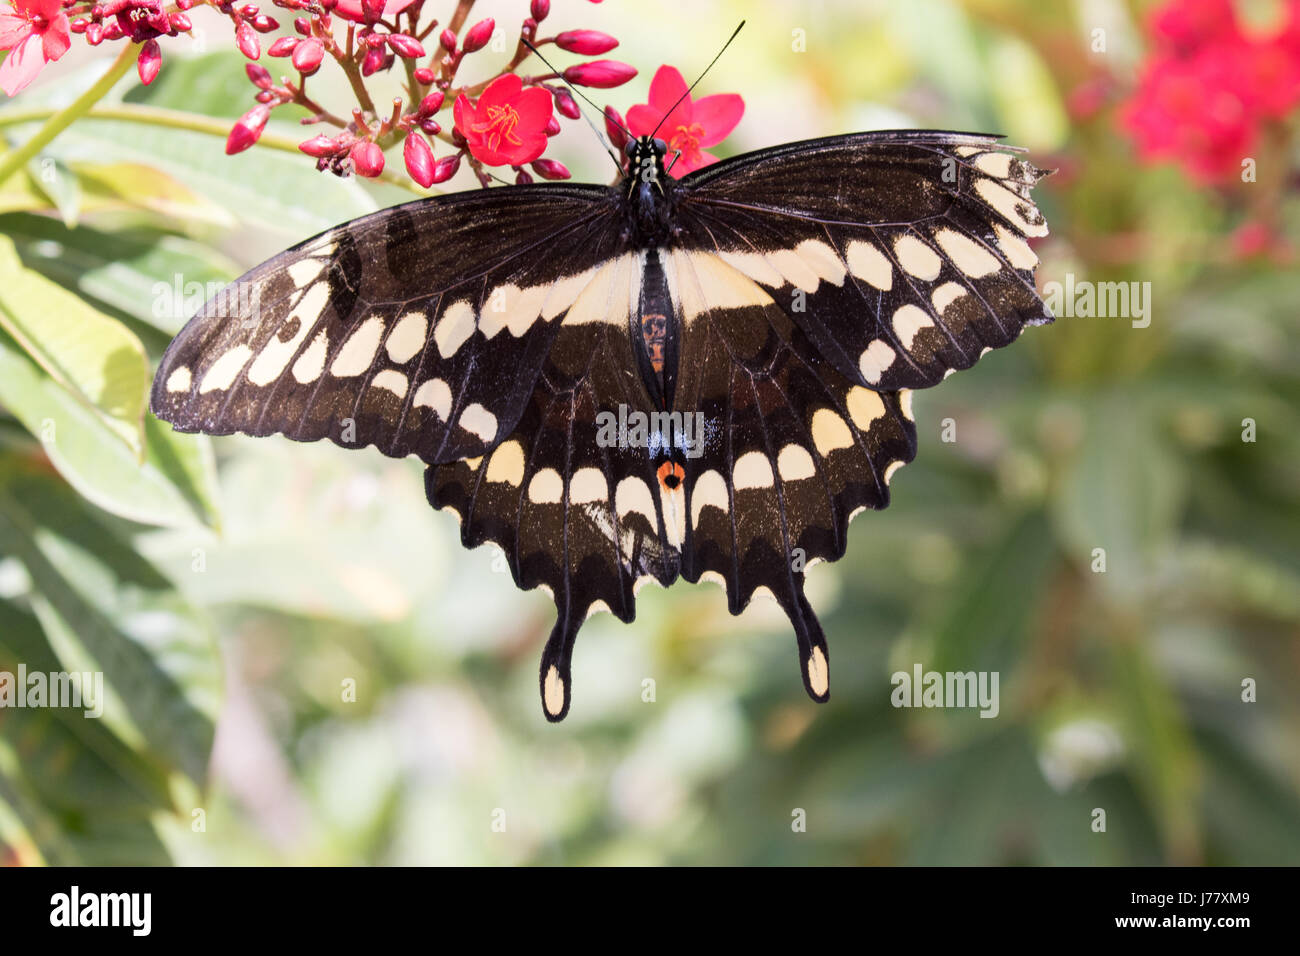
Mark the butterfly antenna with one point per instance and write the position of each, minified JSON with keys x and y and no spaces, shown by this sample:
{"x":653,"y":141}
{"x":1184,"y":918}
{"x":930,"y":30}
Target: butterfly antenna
{"x":697,"y":79}
{"x":609,"y":150}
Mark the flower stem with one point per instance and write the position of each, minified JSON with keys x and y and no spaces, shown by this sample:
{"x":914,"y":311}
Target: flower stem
{"x":17,"y":158}
{"x":171,"y":119}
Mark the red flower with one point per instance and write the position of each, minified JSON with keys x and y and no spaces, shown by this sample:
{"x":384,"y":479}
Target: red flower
{"x":507,"y":126}
{"x":691,"y":124}
{"x":35,"y":32}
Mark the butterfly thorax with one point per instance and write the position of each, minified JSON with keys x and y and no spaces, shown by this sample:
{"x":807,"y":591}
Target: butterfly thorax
{"x":649,"y":193}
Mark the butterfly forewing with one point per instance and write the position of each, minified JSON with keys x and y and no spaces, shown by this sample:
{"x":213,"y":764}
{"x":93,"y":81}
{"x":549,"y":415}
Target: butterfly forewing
{"x":420,"y":329}
{"x":902,"y":255}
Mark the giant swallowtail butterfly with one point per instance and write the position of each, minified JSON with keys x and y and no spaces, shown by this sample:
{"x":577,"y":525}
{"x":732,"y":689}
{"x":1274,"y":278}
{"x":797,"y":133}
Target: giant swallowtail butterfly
{"x":766,"y":316}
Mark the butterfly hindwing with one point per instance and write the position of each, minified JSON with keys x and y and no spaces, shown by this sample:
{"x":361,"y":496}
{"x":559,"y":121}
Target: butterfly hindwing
{"x":419,"y":329}
{"x":793,"y":449}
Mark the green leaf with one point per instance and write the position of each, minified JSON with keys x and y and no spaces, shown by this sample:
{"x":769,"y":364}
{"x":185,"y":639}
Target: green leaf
{"x":153,"y":277}
{"x":104,"y":608}
{"x":59,"y":185}
{"x":95,"y":357}
{"x":87,"y":796}
{"x":1123,"y":493}
{"x":174,"y":486}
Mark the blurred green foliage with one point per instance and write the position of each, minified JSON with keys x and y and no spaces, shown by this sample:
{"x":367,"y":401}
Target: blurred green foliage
{"x":304,"y":667}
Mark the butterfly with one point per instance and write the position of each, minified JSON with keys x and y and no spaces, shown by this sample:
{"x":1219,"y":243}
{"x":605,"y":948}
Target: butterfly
{"x":703,"y":378}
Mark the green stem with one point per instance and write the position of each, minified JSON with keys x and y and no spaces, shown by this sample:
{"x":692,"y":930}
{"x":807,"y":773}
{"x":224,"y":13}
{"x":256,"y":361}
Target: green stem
{"x":171,"y":119}
{"x":16,"y":159}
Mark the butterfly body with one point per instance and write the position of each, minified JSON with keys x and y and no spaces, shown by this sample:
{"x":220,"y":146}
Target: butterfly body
{"x":703,"y":378}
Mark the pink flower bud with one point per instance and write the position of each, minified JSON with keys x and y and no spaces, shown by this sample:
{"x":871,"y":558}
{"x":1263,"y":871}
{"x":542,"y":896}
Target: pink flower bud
{"x":419,"y":159}
{"x":406,"y":47}
{"x":425,"y":75}
{"x":264,"y":24}
{"x":185,"y":4}
{"x":307,"y":56}
{"x":615,"y":128}
{"x":376,"y":59}
{"x":283,"y":46}
{"x":149,"y":62}
{"x":260,"y":75}
{"x":585,"y":42}
{"x":266,"y":96}
{"x":479,"y":35}
{"x":522,"y":178}
{"x":367,"y":159}
{"x":247,"y":41}
{"x":539,"y":9}
{"x":445,"y":168}
{"x":566,"y":104}
{"x":430,"y":127}
{"x":303,"y":26}
{"x":552,"y":126}
{"x":448,"y":41}
{"x":372,"y":10}
{"x":248,"y":10}
{"x":601,"y":74}
{"x":248,"y":130}
{"x":94,"y":34}
{"x":113,"y":30}
{"x":551,"y":169}
{"x":78,"y":26}
{"x":431,"y":103}
{"x":319,"y":146}
{"x":180,"y":22}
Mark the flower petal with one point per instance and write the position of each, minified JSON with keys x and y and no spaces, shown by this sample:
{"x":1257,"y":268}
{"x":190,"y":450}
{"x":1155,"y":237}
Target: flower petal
{"x":503,"y":89}
{"x":641,"y":119}
{"x":534,"y":106}
{"x":463,"y":114}
{"x":12,"y":30}
{"x":718,"y":114}
{"x":55,"y":41}
{"x":21,"y":65}
{"x":697,"y":161}
{"x":666,"y":88}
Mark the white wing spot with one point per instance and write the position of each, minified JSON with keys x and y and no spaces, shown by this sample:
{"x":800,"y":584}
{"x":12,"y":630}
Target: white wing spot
{"x":875,"y":360}
{"x":312,"y":361}
{"x":180,"y":379}
{"x":546,"y":488}
{"x":969,"y":256}
{"x":391,"y":381}
{"x":225,"y":370}
{"x":864,"y":406}
{"x":479,"y":421}
{"x":454,"y":327}
{"x":917,"y":258}
{"x":588,"y":485}
{"x":869,"y":264}
{"x":435,"y":394}
{"x":830,"y":432}
{"x":359,"y":350}
{"x":407,"y":337}
{"x":506,"y":463}
{"x":752,"y":470}
{"x":710,"y":491}
{"x":794,"y":463}
{"x":909,"y":320}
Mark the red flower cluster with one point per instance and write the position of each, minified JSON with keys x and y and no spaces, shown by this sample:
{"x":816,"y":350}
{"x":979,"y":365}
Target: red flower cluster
{"x":1211,"y":85}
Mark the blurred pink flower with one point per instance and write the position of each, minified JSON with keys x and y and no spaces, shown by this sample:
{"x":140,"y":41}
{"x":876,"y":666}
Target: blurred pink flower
{"x":35,"y":32}
{"x":1208,"y":86}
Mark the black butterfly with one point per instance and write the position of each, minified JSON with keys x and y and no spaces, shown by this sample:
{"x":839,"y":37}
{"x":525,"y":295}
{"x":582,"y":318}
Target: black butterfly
{"x":763,"y":318}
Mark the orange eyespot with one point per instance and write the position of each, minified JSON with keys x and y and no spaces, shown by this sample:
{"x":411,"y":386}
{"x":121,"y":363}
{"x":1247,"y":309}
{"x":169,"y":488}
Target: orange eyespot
{"x":671,"y":475}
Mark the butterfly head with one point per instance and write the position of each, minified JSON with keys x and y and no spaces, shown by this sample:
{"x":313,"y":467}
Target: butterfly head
{"x":645,"y":158}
